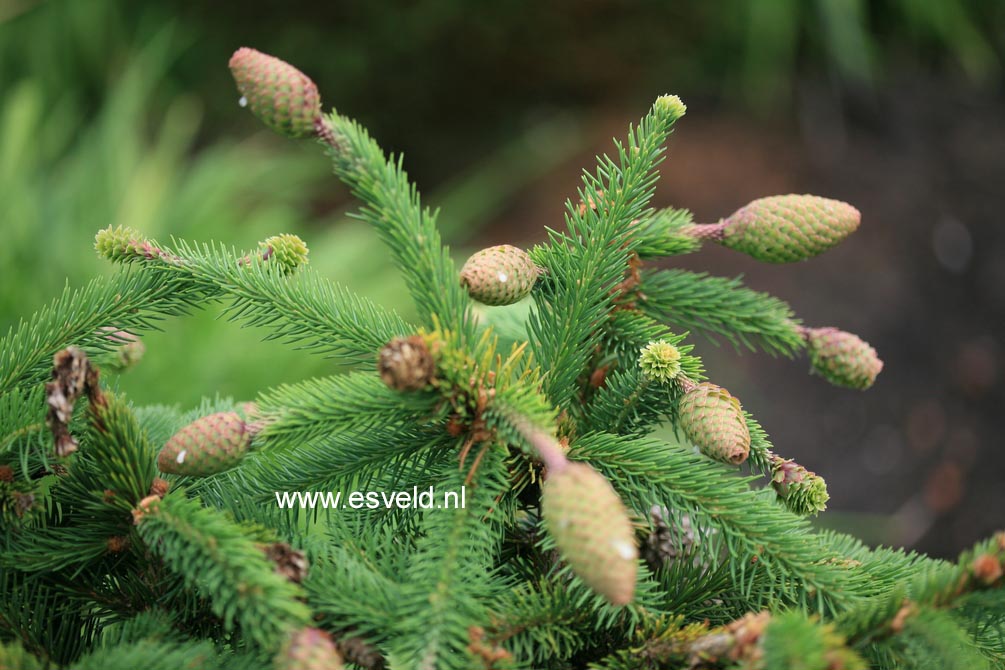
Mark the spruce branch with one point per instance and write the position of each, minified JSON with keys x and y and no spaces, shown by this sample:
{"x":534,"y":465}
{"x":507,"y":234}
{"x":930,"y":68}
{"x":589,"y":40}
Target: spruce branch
{"x":392,"y":206}
{"x":130,"y":301}
{"x":299,"y":412}
{"x":766,"y":546}
{"x":442,"y":600}
{"x":586,"y":263}
{"x":720,"y":306}
{"x":216,"y":557}
{"x":270,"y":288}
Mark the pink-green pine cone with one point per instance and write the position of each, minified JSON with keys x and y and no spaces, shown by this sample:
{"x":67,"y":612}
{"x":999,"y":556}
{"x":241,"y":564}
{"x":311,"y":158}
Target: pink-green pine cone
{"x":309,"y":649}
{"x":788,"y":228}
{"x":206,"y":446}
{"x":802,"y":491}
{"x":842,"y":358}
{"x":592,"y":530}
{"x":280,"y":95}
{"x":500,"y":275}
{"x":713,"y":420}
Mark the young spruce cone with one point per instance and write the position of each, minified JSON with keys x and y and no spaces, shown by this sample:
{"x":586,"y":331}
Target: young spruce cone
{"x":713,"y":420}
{"x":206,"y":446}
{"x":592,"y":530}
{"x":280,"y":95}
{"x":405,"y":364}
{"x":842,"y":358}
{"x":500,"y":275}
{"x":787,"y":228}
{"x":802,"y":491}
{"x":309,"y":649}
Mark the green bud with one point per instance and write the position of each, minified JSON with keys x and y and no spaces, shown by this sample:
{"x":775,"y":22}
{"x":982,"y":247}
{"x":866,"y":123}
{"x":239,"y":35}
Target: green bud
{"x":802,"y":491}
{"x":660,"y":361}
{"x":288,"y":252}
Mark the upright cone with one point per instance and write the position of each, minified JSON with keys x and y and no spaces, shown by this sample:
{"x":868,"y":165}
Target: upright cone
{"x":714,"y":421}
{"x":592,"y":530}
{"x":500,"y":275}
{"x":280,"y":95}
{"x":206,"y":446}
{"x":787,"y":228}
{"x":842,"y":358}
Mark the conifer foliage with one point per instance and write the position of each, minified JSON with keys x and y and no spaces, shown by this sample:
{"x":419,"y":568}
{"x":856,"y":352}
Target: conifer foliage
{"x":607,"y":520}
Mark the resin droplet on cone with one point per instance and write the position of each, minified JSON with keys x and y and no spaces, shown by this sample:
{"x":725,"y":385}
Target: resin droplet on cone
{"x":592,"y":530}
{"x":713,"y":420}
{"x":842,"y":358}
{"x":206,"y":446}
{"x":280,"y":95}
{"x":500,"y":275}
{"x":309,"y":649}
{"x":787,"y":228}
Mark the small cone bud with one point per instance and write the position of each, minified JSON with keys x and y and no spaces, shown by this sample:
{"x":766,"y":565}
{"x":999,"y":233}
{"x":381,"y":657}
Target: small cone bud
{"x":592,"y":530}
{"x":280,"y":95}
{"x":206,"y":446}
{"x":406,"y":364}
{"x":130,"y":350}
{"x":788,"y":228}
{"x":500,"y":275}
{"x":288,"y":252}
{"x":713,"y":420}
{"x":124,"y":245}
{"x":842,"y":358}
{"x":309,"y":649}
{"x":670,"y":105}
{"x":660,"y":361}
{"x":802,"y":491}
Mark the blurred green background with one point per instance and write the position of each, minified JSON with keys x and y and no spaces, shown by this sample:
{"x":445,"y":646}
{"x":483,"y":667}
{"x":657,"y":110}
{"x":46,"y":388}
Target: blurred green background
{"x":124,"y":113}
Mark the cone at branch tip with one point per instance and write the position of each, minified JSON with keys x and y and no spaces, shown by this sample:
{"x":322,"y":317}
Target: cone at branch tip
{"x":287,"y":251}
{"x":280,"y":95}
{"x":309,"y":649}
{"x":660,"y":361}
{"x":499,"y":275}
{"x":803,"y":492}
{"x":842,"y":358}
{"x":206,"y":446}
{"x":592,"y":530}
{"x":406,"y":364}
{"x":713,"y":420}
{"x":785,"y":228}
